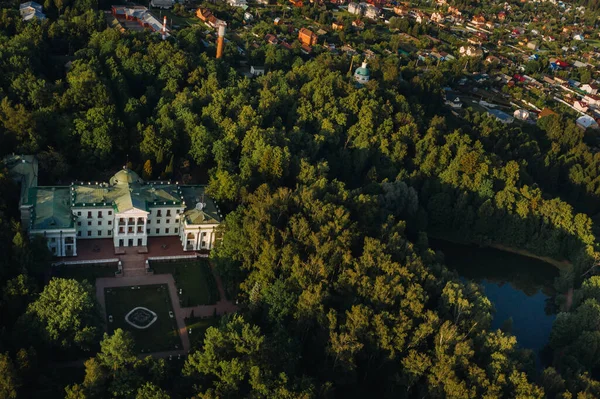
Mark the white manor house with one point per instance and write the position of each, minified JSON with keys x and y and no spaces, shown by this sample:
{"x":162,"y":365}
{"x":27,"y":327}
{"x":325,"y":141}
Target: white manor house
{"x":126,"y":210}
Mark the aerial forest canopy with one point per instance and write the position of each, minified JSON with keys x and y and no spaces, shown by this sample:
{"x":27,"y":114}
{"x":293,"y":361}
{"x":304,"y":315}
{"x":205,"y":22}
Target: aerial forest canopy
{"x":331,"y":192}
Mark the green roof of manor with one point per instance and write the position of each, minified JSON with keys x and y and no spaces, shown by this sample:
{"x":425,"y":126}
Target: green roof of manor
{"x":25,"y":169}
{"x":126,"y":191}
{"x":51,"y":209}
{"x":199,"y":208}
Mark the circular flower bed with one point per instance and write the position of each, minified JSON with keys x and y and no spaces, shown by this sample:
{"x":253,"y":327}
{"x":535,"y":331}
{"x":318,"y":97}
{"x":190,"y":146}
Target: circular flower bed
{"x":141,"y":317}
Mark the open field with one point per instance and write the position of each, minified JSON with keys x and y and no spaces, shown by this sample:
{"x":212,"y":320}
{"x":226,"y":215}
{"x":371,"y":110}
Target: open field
{"x":194,"y":278}
{"x":162,"y":335}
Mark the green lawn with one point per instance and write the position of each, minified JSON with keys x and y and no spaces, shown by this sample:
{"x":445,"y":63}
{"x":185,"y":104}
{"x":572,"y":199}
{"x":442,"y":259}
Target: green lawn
{"x":194,"y":278}
{"x":160,"y":336}
{"x":199,"y":327}
{"x":85,"y":272}
{"x":175,"y":20}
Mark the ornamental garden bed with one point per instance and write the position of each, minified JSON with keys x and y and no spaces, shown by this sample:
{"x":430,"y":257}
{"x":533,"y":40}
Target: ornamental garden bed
{"x":143,"y":311}
{"x":193,"y":277}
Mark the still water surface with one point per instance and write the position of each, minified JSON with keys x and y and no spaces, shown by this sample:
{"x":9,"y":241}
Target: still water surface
{"x":518,"y":287}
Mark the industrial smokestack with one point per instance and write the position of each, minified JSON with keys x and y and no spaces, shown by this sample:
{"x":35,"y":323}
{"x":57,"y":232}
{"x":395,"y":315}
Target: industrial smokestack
{"x":164,"y":28}
{"x":221,"y":39}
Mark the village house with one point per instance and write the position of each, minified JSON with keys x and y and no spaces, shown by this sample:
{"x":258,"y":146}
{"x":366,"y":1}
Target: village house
{"x":478,"y":20}
{"x":437,"y":17}
{"x":31,"y":10}
{"x":372,"y":12}
{"x":453,"y":100}
{"x":355,"y":8}
{"x":139,"y":14}
{"x":470,"y":51}
{"x":580,"y":106}
{"x":401,"y":11}
{"x":421,"y":17}
{"x":203,"y":14}
{"x":592,"y":99}
{"x":271,"y":39}
{"x":589,"y":88}
{"x":307,"y":37}
{"x":358,"y":24}
{"x":237,"y":3}
{"x":257,"y":70}
{"x":586,"y":122}
{"x":337,"y":26}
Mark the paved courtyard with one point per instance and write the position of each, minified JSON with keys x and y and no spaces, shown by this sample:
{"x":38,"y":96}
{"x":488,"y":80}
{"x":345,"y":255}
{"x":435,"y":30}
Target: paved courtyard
{"x":133,"y":261}
{"x":134,"y":275}
{"x":103,"y":248}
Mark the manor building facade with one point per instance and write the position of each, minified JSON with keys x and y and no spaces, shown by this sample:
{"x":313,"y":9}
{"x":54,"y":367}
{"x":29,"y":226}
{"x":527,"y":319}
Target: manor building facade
{"x":126,"y":210}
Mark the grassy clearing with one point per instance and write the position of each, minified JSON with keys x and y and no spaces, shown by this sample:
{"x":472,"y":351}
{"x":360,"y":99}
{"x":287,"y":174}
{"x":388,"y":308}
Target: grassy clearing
{"x":175,"y":20}
{"x":199,"y":327}
{"x":194,"y":278}
{"x":162,"y":335}
{"x":85,"y":272}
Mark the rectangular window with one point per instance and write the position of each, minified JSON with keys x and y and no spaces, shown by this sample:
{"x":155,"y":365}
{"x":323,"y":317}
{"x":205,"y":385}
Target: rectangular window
{"x":89,"y":223}
{"x":147,"y":231}
{"x":79,"y":234}
{"x":89,"y":214}
{"x":53,"y":239}
{"x":176,"y":230}
{"x":159,"y":213}
{"x":99,"y":233}
{"x":168,"y":221}
{"x":89,"y":233}
{"x":99,"y":222}
{"x":79,"y":213}
{"x":157,"y":231}
{"x":99,"y":214}
{"x":167,"y":230}
{"x":109,"y":213}
{"x":177,"y":211}
{"x":78,"y":223}
{"x":108,"y":232}
{"x":168,"y":212}
{"x":204,"y":234}
{"x":110,"y":222}
{"x":158,"y":221}
{"x":176,"y":220}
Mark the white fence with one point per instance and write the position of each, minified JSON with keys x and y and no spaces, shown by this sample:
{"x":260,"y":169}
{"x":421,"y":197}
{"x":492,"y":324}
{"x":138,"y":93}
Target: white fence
{"x":177,"y":257}
{"x":85,"y":262}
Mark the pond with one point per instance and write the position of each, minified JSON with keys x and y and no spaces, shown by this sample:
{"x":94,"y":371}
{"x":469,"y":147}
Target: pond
{"x":518,"y":286}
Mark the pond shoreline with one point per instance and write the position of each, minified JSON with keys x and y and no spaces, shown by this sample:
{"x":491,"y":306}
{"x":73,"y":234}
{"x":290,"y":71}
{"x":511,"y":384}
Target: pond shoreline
{"x":559,"y":264}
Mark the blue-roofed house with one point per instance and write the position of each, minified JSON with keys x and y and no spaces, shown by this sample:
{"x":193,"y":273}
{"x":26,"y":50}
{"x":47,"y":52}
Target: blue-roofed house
{"x":501,"y":116}
{"x":31,"y":10}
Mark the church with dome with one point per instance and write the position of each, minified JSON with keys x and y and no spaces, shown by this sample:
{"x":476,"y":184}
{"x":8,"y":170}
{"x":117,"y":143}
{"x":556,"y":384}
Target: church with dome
{"x":126,"y":210}
{"x":362,"y":74}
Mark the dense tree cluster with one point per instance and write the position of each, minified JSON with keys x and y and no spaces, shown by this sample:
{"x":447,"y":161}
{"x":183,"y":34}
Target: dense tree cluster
{"x":331,"y":190}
